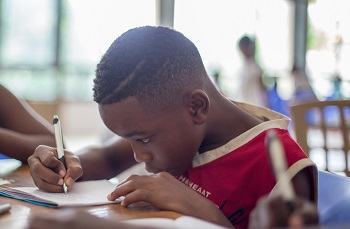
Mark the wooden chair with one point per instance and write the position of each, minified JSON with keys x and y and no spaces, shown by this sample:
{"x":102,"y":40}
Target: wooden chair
{"x":322,"y":130}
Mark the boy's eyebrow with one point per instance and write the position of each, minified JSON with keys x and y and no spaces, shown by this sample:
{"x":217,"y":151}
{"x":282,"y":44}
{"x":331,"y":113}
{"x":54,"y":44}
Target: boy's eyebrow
{"x":136,"y":132}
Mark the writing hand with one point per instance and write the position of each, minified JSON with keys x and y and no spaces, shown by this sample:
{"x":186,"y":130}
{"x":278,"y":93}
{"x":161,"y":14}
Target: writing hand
{"x":49,"y":173}
{"x":276,"y":213}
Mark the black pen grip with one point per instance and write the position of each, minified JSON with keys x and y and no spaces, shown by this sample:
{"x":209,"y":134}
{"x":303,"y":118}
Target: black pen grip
{"x":290,"y":206}
{"x":63,"y":160}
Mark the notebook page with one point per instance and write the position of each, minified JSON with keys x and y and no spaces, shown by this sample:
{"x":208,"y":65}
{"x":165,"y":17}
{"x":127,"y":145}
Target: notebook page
{"x":83,"y":193}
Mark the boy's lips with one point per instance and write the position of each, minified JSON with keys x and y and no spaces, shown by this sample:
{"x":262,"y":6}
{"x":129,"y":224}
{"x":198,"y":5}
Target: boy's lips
{"x":155,"y":170}
{"x":151,"y":169}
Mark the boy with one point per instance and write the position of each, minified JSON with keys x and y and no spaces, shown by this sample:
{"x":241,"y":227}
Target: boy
{"x":207,"y":153}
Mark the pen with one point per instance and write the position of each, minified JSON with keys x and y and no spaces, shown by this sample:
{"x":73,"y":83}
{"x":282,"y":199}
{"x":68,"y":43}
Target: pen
{"x":59,"y":145}
{"x":4,"y":208}
{"x":279,"y":165}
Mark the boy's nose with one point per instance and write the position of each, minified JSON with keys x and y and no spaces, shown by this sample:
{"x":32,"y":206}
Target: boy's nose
{"x":141,"y":155}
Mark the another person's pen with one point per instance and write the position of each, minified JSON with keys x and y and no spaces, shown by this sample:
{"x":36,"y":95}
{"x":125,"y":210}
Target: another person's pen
{"x":59,"y":145}
{"x":279,"y":165}
{"x":4,"y":208}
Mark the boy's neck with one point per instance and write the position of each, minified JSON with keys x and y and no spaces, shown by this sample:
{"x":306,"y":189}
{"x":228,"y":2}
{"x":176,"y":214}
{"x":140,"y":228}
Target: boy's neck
{"x":225,"y":122}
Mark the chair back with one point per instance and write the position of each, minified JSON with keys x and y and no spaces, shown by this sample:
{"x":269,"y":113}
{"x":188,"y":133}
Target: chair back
{"x":322,"y":130}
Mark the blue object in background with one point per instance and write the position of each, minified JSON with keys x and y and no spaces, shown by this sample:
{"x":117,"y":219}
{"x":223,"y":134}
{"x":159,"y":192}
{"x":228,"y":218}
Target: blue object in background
{"x":2,"y":156}
{"x":333,"y":200}
{"x":276,"y":103}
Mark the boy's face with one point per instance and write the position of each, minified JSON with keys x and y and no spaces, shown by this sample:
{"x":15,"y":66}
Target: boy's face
{"x":163,"y":140}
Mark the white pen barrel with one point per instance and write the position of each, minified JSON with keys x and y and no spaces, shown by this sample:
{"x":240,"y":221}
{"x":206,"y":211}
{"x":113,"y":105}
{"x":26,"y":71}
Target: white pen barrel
{"x":58,"y":137}
{"x":279,"y":165}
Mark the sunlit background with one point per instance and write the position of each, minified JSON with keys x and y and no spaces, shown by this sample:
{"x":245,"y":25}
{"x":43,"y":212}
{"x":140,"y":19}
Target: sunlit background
{"x":49,"y":48}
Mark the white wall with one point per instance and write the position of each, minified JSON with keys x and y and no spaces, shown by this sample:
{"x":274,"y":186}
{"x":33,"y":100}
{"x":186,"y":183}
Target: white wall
{"x":80,"y":121}
{"x":81,"y":124}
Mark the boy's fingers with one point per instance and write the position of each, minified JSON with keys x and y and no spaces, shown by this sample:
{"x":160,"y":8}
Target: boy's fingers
{"x":54,"y":164}
{"x":121,"y":190}
{"x":40,"y":172}
{"x":295,"y":221}
{"x":129,"y":178}
{"x":47,"y":186}
{"x":135,"y":196}
{"x":306,"y":213}
{"x":129,"y":185}
{"x":279,"y":212}
{"x":74,"y":169}
{"x":260,"y":215}
{"x":49,"y":159}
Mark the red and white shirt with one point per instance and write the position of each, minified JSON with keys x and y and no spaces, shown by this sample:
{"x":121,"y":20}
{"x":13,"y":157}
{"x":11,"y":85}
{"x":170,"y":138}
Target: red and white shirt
{"x":235,"y":175}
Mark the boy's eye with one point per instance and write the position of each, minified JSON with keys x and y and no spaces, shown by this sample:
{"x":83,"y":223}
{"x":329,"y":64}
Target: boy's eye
{"x":144,"y":140}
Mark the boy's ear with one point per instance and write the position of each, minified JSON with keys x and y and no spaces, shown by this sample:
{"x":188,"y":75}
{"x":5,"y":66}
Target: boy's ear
{"x":199,"y":106}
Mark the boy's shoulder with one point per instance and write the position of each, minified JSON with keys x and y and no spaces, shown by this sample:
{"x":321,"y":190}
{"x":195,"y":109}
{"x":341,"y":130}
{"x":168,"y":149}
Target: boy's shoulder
{"x":263,"y":113}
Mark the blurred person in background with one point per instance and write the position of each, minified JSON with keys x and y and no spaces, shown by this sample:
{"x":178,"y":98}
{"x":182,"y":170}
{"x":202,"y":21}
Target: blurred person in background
{"x":251,"y":89}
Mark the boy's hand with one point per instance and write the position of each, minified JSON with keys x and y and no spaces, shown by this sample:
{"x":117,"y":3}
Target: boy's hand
{"x":276,"y":213}
{"x":165,"y":192}
{"x":49,"y":173}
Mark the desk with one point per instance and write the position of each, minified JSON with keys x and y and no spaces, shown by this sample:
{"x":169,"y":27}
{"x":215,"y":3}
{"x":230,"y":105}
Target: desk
{"x":20,"y":211}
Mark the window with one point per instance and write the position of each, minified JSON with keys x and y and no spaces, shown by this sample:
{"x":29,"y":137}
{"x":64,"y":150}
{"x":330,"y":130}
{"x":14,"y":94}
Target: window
{"x":329,"y":48}
{"x":216,"y":26}
{"x":49,"y":49}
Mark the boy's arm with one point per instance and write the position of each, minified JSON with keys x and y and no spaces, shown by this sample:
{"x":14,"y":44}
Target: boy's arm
{"x":112,"y":158}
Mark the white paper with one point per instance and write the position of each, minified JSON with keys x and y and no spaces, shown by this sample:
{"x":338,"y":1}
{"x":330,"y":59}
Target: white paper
{"x":83,"y":193}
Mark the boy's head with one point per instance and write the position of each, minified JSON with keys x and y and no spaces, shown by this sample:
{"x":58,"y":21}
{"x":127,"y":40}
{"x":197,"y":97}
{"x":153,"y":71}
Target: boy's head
{"x":155,"y":65}
{"x":151,"y":87}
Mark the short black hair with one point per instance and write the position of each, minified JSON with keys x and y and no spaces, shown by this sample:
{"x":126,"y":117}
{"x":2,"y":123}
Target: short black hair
{"x":154,"y":64}
{"x":245,"y":40}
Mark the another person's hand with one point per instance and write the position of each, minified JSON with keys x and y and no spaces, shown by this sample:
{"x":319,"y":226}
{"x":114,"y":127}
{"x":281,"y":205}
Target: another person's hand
{"x":277,"y":213}
{"x":74,"y":219}
{"x":165,"y":192}
{"x":49,"y":173}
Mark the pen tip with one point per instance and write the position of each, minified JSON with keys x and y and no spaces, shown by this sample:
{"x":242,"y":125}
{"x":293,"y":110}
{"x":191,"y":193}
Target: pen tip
{"x":65,"y":188}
